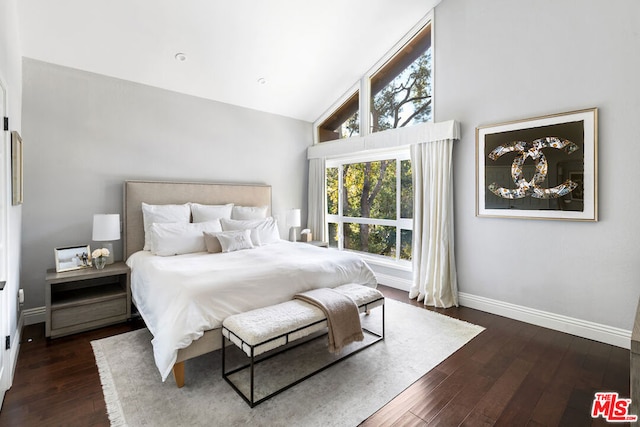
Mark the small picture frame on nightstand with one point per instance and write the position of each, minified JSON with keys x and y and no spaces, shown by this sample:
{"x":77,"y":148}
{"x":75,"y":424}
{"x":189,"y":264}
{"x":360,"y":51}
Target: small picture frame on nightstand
{"x":72,"y":258}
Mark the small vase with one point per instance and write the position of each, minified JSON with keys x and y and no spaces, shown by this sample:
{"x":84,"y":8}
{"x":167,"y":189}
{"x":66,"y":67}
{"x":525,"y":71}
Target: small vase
{"x":100,"y":262}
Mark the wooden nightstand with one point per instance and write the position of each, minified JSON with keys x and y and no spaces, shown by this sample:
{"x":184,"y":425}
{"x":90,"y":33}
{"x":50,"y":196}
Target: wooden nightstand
{"x":88,"y":298}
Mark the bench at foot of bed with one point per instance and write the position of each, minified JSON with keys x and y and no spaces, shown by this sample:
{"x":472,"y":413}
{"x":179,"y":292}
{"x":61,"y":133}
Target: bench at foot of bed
{"x":266,"y":329}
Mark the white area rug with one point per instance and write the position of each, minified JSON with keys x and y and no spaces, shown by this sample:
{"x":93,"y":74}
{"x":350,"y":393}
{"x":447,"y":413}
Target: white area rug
{"x":344,"y":395}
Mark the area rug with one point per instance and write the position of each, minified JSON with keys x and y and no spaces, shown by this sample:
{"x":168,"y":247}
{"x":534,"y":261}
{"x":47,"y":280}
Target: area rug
{"x":347,"y":393}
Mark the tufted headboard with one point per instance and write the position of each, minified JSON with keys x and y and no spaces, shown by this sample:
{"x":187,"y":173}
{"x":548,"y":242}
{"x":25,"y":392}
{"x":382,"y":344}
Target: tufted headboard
{"x":163,"y":193}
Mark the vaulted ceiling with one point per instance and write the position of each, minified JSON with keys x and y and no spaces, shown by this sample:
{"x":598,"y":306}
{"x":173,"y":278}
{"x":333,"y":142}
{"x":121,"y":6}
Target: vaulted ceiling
{"x":288,"y":57}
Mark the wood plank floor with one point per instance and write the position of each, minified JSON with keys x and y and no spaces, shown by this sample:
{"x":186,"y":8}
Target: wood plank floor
{"x":512,"y":374}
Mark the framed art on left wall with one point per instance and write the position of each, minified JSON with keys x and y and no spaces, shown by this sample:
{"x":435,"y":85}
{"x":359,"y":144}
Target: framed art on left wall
{"x":539,"y":168}
{"x":16,"y":169}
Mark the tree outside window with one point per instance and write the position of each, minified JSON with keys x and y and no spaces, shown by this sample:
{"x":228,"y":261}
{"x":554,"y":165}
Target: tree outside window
{"x":369,"y":206}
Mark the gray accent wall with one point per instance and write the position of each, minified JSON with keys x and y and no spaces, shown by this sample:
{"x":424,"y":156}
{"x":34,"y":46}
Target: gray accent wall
{"x":505,"y":60}
{"x":84,"y":134}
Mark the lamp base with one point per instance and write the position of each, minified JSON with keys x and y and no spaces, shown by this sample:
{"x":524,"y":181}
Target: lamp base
{"x":292,"y":234}
{"x":109,"y":246}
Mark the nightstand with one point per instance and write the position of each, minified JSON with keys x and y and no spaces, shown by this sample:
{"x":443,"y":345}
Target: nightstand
{"x":318,"y":243}
{"x":88,"y":298}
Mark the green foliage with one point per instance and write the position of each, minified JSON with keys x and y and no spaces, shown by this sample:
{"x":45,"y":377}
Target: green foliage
{"x":406,"y":189}
{"x":406,"y":239}
{"x":332,"y":191}
{"x":370,"y":189}
{"x":380,"y":240}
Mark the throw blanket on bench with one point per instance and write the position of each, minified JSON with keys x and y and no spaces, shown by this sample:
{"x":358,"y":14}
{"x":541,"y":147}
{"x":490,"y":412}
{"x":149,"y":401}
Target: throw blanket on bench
{"x":342,"y":315}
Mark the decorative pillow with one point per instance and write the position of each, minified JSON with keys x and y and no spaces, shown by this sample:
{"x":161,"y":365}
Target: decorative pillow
{"x":249,"y":212}
{"x":235,"y":240}
{"x":266,"y":230}
{"x":176,"y":238}
{"x":162,"y":213}
{"x":211,"y":242}
{"x":202,"y":213}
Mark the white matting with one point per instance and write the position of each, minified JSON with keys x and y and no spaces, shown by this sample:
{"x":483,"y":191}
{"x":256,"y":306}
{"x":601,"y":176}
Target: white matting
{"x":344,"y":395}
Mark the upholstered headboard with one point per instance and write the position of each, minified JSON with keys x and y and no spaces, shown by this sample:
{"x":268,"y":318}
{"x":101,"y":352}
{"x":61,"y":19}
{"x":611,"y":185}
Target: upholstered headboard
{"x":164,"y":193}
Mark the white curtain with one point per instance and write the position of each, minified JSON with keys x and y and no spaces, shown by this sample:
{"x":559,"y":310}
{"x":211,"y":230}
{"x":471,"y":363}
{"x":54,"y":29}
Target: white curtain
{"x":434,"y":267}
{"x":317,"y":198}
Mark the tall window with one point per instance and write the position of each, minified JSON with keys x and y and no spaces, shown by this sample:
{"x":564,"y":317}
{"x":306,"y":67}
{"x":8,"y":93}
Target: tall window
{"x":400,"y":91}
{"x":370,"y":196}
{"x":370,"y":205}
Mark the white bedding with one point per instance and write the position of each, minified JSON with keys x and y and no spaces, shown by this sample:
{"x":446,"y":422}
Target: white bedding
{"x":180,"y":297}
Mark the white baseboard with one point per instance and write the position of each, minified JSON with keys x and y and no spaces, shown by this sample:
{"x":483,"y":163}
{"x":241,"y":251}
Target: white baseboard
{"x":582,"y":328}
{"x":394,"y":282}
{"x":34,"y":315}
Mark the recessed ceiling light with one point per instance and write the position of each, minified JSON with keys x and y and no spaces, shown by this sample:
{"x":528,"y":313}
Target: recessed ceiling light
{"x":262,"y":81}
{"x":180,"y":57}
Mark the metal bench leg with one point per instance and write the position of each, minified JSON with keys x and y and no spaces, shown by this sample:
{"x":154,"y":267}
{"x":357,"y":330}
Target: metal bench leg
{"x":252,"y":367}
{"x":224,"y":342}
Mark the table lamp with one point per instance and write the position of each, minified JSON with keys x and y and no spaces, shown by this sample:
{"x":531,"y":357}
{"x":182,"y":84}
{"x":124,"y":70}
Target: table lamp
{"x":106,"y":228}
{"x":293,"y":221}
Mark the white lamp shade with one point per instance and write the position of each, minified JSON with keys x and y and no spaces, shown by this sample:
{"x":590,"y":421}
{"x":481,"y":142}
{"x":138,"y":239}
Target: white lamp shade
{"x":293,"y":218}
{"x":106,"y":227}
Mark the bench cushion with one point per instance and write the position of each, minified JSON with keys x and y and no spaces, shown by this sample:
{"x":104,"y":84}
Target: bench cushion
{"x":270,"y":327}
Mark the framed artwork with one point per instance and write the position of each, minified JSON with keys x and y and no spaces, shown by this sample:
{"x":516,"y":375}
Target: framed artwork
{"x":539,"y":168}
{"x":16,"y":169}
{"x":72,"y":258}
{"x":578,"y":192}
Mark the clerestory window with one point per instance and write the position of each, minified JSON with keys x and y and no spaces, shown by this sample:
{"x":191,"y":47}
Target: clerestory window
{"x":343,"y":123}
{"x":400,"y":91}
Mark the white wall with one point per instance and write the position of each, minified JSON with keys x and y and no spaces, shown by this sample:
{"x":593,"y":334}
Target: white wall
{"x":502,"y":60}
{"x":10,"y":73}
{"x":85,"y":134}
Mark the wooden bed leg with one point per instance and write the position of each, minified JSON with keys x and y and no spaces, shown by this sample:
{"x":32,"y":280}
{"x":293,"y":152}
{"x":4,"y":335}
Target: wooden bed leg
{"x":178,"y":373}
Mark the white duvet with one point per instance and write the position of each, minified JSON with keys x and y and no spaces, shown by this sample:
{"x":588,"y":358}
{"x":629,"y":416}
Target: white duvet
{"x":180,"y":297}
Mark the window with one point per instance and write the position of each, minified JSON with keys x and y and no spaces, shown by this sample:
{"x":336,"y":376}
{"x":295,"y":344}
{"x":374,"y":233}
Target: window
{"x":370,"y":196}
{"x":370,"y":204}
{"x":343,"y":123}
{"x":400,"y":88}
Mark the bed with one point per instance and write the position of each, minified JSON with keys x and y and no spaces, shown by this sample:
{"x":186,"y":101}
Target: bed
{"x":184,"y":298}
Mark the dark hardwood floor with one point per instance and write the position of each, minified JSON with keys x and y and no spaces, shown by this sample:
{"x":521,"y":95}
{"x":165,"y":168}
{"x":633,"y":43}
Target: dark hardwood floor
{"x":511,"y":374}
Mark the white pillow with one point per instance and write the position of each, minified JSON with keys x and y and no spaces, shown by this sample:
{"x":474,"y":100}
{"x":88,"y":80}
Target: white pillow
{"x":202,"y":213}
{"x":162,"y":213}
{"x":212,"y":243}
{"x":235,"y":240}
{"x":266,"y":230}
{"x":176,"y":238}
{"x":249,"y":212}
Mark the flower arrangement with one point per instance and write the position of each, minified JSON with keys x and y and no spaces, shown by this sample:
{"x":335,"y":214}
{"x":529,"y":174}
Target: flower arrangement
{"x":100,"y":257}
{"x":102,"y":252}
